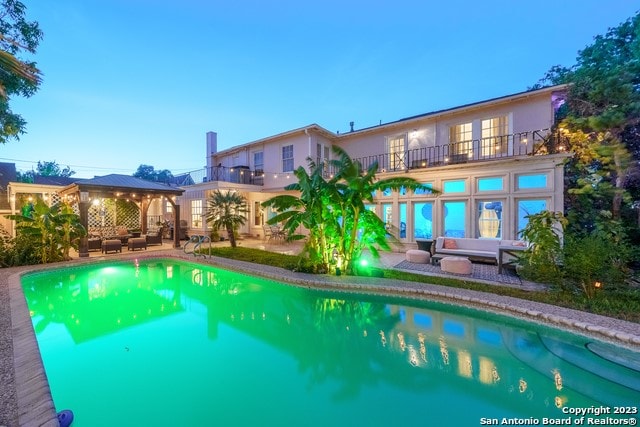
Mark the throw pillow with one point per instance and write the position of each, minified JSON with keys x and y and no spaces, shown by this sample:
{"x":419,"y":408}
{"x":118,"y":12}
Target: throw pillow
{"x":450,"y":244}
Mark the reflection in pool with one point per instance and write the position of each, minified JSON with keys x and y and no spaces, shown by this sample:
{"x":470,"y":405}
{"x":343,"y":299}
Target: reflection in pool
{"x":165,"y":342}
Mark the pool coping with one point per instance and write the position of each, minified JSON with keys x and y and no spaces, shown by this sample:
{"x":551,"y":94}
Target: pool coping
{"x":34,"y":402}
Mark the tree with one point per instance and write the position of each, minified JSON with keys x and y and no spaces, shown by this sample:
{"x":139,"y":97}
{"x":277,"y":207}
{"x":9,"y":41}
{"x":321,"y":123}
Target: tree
{"x":17,"y":76}
{"x":602,"y":124}
{"x":361,"y":228}
{"x":226,"y":210}
{"x":309,"y":210}
{"x":46,"y":169}
{"x":333,"y":211}
{"x":150,"y":174}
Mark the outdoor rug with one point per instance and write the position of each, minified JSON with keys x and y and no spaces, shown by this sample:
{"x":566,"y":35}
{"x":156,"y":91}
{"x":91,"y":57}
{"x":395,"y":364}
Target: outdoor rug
{"x":485,"y":272}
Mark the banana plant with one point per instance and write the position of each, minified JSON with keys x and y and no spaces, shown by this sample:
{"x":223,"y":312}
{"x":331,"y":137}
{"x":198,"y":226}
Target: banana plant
{"x":54,"y":229}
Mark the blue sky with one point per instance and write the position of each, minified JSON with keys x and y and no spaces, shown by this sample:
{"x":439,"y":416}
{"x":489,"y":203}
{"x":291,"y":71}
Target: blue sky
{"x":130,"y":82}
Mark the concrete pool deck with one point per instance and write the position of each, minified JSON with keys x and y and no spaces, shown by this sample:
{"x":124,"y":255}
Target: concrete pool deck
{"x":25,"y":398}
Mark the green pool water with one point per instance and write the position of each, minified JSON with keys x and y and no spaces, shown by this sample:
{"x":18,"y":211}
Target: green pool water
{"x":171,"y":343}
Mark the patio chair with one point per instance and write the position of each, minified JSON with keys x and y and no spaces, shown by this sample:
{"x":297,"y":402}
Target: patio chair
{"x":267,"y":232}
{"x":154,"y":237}
{"x":278,"y":233}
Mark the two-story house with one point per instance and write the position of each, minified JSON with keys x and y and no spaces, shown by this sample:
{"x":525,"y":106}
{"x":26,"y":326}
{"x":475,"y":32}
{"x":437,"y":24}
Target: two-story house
{"x":493,"y":163}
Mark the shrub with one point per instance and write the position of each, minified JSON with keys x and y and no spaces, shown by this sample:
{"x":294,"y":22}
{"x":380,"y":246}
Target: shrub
{"x":594,"y":262}
{"x":17,"y":251}
{"x":258,"y":256}
{"x":541,"y":261}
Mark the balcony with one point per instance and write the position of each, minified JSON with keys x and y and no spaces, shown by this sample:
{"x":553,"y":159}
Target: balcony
{"x":236,"y":174}
{"x":540,"y":142}
{"x":532,"y":143}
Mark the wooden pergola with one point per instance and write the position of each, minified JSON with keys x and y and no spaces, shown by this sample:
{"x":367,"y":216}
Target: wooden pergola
{"x":116,"y":186}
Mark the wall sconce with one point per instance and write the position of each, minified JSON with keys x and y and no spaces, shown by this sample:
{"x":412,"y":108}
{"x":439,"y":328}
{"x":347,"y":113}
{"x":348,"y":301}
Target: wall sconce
{"x":84,"y":196}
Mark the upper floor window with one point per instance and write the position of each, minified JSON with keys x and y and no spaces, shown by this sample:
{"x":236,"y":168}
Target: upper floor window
{"x":287,"y":158}
{"x":258,"y":161}
{"x":495,"y":136}
{"x":460,"y":137}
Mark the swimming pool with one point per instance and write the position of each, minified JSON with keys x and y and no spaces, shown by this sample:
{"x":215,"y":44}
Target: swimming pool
{"x":166,"y":342}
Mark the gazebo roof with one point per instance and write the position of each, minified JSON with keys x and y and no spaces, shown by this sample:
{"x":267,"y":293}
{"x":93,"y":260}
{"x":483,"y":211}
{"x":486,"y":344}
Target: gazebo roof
{"x":123,"y":184}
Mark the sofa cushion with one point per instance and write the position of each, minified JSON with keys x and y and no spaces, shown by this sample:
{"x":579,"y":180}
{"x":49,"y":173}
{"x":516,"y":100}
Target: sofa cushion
{"x":469,"y":252}
{"x":450,"y":244}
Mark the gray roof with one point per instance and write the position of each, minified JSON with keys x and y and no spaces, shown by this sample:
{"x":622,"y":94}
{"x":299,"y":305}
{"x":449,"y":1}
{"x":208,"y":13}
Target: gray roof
{"x":124,"y":183}
{"x":53,"y":180}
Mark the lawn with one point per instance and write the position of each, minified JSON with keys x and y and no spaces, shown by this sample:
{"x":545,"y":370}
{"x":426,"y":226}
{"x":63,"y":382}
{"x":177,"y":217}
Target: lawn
{"x":618,"y":303}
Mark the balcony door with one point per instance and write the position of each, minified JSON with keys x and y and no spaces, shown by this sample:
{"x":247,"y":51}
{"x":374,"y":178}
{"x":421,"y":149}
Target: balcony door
{"x":322,"y":158}
{"x":397,"y":151}
{"x":495,"y":137}
{"x":460,"y":143}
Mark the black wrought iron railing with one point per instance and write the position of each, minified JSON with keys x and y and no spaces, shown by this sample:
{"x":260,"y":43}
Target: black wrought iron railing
{"x":539,"y":142}
{"x":236,"y":174}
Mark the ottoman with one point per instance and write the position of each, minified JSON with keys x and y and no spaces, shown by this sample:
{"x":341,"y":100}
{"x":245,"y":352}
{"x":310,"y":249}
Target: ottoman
{"x":418,"y":257}
{"x":455,"y":264}
{"x":111,"y":245}
{"x":136,"y":243}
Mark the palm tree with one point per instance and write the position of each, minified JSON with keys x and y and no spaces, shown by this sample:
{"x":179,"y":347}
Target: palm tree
{"x":226,"y":210}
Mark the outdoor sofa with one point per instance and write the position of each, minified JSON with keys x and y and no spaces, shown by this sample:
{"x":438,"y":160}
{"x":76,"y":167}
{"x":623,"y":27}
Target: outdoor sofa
{"x":484,"y":250}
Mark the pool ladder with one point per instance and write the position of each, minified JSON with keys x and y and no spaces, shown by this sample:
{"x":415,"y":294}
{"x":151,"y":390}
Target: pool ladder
{"x":195,"y":243}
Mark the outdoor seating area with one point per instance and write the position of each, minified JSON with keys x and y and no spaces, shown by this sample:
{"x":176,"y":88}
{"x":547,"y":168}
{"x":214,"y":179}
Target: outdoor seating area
{"x":112,"y":239}
{"x":499,"y":252}
{"x":109,"y":233}
{"x":477,"y":258}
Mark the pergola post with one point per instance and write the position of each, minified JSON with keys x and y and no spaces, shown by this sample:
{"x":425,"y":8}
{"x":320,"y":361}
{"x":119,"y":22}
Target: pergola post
{"x":144,"y":210}
{"x":83,"y":207}
{"x":176,"y":225}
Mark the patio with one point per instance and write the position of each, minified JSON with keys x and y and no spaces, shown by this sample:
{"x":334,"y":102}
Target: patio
{"x":483,"y":273}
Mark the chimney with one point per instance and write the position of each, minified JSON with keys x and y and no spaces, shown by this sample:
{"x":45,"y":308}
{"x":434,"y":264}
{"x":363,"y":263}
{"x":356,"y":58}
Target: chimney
{"x":351,"y":124}
{"x":212,"y":149}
